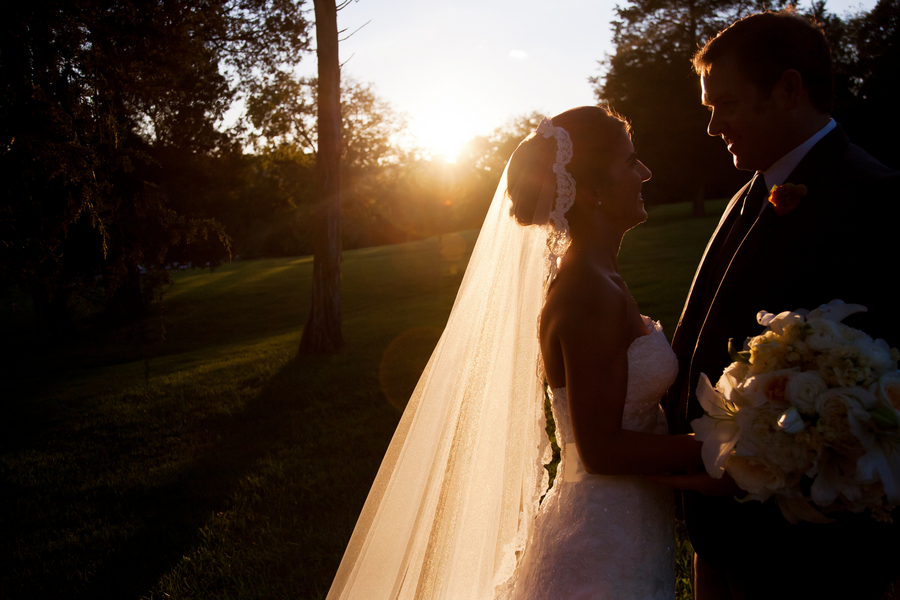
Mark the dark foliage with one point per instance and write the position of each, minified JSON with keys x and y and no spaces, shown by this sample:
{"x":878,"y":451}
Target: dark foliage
{"x":107,"y":111}
{"x":866,"y":50}
{"x":649,"y":79}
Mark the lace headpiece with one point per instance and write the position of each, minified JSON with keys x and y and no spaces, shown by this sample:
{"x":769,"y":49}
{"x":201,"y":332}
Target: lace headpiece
{"x":564,"y":195}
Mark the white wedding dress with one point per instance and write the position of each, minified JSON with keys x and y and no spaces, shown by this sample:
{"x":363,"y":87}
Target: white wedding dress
{"x":455,"y":510}
{"x":607,"y":538}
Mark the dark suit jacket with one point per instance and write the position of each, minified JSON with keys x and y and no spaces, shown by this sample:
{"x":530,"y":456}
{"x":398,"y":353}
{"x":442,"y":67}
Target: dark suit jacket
{"x":840,"y":242}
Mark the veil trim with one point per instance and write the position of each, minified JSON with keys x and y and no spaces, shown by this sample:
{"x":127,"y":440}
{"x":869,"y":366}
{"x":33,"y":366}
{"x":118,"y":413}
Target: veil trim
{"x":559,"y":238}
{"x":453,"y":506}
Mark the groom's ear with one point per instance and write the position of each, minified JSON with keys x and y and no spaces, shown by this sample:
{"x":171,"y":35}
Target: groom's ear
{"x":790,"y":90}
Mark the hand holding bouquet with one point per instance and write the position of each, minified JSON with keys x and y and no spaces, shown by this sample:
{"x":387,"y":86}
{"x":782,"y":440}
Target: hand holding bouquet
{"x":809,"y":413}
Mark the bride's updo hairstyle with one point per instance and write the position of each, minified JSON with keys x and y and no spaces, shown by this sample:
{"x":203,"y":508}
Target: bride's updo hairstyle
{"x":530,"y":177}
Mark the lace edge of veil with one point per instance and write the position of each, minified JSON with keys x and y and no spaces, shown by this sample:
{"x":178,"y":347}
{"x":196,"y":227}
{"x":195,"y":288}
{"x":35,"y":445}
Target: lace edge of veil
{"x":558,"y":241}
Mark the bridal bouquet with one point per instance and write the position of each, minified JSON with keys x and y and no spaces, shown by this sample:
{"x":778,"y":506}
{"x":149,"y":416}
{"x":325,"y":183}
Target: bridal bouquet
{"x":809,"y":413}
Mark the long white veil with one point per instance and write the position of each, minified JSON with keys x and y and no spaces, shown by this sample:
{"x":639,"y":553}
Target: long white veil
{"x":453,"y":504}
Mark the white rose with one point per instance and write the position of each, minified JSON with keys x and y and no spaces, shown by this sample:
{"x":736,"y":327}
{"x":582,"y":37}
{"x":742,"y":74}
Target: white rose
{"x":843,"y":419}
{"x":763,"y":437}
{"x":756,"y":425}
{"x":824,"y":334}
{"x":803,"y":388}
{"x":755,"y":475}
{"x":764,"y":387}
{"x":888,"y":388}
{"x":876,"y":355}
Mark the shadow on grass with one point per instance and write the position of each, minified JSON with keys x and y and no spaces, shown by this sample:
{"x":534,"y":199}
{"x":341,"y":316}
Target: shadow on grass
{"x":308,"y":443}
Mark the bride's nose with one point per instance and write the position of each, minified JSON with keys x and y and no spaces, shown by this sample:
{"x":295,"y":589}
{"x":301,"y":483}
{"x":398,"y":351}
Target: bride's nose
{"x":645,"y":172}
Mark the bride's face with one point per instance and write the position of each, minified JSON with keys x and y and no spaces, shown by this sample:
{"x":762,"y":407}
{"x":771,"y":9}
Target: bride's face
{"x":620,"y":191}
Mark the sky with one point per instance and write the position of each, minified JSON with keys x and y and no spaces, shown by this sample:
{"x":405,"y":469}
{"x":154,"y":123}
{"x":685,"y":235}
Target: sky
{"x":460,"y":68}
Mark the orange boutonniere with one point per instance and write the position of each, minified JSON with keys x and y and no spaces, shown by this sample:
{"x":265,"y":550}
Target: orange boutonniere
{"x":785,"y":198}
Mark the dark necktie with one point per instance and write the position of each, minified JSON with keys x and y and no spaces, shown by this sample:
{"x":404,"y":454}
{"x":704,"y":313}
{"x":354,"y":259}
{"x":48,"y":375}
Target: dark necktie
{"x":750,"y":209}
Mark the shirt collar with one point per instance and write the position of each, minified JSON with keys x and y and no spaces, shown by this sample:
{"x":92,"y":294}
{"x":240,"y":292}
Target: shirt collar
{"x":781,"y":168}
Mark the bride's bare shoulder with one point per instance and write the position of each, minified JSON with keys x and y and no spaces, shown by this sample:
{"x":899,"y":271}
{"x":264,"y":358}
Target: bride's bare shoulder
{"x":584,"y":319}
{"x":589,"y":301}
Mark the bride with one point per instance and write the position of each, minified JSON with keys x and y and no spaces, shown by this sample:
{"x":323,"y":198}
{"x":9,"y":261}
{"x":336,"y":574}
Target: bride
{"x":456,"y":510}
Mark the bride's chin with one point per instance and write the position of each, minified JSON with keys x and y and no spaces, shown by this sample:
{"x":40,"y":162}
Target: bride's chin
{"x":642,"y":214}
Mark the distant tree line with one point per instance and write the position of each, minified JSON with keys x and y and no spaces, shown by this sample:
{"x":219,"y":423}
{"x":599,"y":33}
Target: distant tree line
{"x":649,"y":79}
{"x":111,"y":150}
{"x":116,"y":160}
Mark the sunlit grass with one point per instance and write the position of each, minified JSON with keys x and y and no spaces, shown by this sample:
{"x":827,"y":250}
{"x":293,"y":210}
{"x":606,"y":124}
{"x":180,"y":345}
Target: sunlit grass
{"x":195,"y":455}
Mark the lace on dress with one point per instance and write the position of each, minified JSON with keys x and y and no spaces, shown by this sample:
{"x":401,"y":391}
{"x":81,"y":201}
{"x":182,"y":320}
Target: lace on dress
{"x":600,"y":537}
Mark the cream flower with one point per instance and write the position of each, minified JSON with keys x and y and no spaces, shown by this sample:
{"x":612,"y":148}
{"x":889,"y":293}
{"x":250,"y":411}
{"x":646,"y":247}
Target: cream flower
{"x":844,"y":366}
{"x":835,"y":477}
{"x":716,"y":429}
{"x":818,"y":401}
{"x":882,"y":462}
{"x":824,"y":334}
{"x":733,"y":374}
{"x":756,"y":475}
{"x":843,"y":418}
{"x":876,"y":355}
{"x":836,"y":310}
{"x":770,"y":386}
{"x":802,"y":390}
{"x":762,"y":436}
{"x":888,"y":389}
{"x":790,"y":421}
{"x":779,"y":323}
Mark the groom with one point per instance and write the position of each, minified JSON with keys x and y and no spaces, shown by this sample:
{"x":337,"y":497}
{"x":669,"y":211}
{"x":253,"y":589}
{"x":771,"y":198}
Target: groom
{"x":767,"y":81}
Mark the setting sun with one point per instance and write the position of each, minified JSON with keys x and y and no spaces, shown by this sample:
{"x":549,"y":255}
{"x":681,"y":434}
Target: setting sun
{"x":447,"y":123}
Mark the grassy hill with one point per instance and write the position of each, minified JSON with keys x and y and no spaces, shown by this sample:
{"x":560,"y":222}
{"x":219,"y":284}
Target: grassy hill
{"x":195,"y":455}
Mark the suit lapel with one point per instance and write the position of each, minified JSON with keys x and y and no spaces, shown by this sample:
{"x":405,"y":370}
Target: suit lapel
{"x":699,"y":295}
{"x":701,"y":313}
{"x":756,"y":238}
{"x":813,"y":167}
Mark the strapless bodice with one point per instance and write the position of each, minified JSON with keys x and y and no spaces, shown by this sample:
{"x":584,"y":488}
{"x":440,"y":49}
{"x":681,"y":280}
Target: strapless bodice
{"x":599,"y":537}
{"x":652,"y":368}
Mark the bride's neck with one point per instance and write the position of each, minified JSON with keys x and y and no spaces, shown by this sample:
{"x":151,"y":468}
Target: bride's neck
{"x":600,"y":249}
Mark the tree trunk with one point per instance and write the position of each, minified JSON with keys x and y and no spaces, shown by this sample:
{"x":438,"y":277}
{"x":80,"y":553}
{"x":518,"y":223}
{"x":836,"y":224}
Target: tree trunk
{"x":322,"y":333}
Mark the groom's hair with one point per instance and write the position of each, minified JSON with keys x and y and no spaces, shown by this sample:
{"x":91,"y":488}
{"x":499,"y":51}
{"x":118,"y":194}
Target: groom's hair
{"x":765,"y":45}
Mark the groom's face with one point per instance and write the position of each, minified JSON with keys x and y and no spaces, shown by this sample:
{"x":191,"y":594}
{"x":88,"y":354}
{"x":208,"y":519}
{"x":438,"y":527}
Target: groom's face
{"x":749,"y":122}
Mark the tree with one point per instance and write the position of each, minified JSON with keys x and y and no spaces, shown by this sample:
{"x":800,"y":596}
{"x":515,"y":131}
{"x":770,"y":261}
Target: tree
{"x":322,"y":333}
{"x":92,"y":94}
{"x":866,"y":49}
{"x":481,"y":163}
{"x":649,"y":80}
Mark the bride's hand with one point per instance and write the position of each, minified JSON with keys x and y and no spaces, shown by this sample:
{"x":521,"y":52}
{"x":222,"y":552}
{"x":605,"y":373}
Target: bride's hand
{"x":700,"y":482}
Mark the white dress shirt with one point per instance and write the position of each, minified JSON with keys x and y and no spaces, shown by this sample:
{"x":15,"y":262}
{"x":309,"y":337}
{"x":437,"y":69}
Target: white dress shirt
{"x":781,"y":168}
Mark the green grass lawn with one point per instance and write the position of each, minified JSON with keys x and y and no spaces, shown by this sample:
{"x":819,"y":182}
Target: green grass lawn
{"x":195,"y":455}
